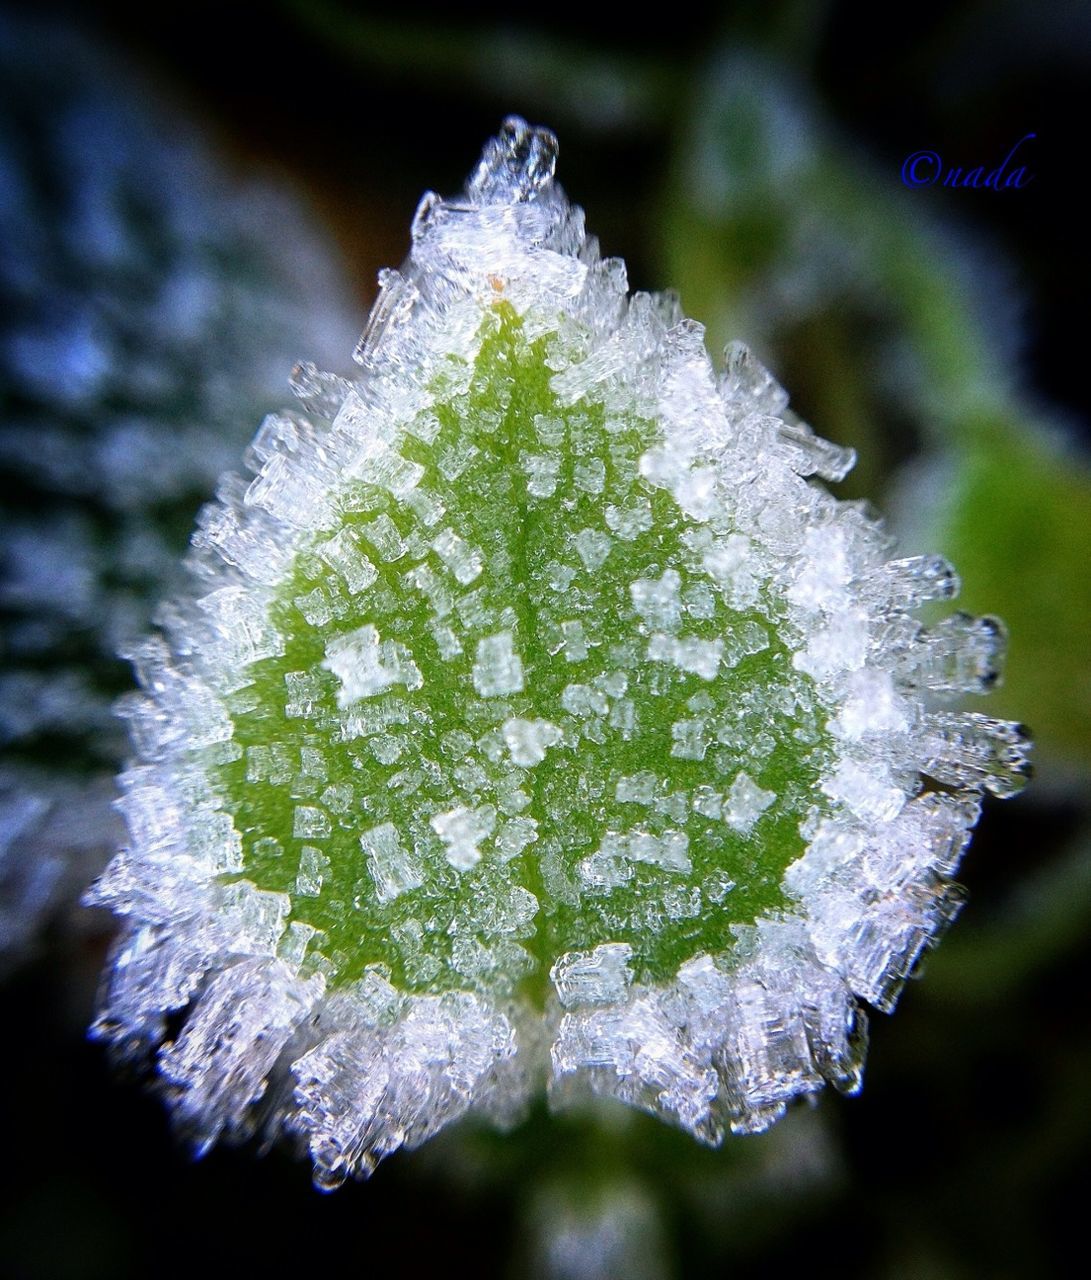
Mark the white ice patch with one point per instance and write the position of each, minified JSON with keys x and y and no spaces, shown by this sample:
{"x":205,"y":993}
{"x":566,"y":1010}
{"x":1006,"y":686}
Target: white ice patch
{"x":242,"y":629}
{"x":528,"y":740}
{"x":383,"y":535}
{"x":394,"y":869}
{"x":310,"y":823}
{"x":609,"y":867}
{"x":637,"y":788}
{"x":838,"y":646}
{"x":497,"y":668}
{"x":689,"y":739}
{"x":697,"y":657}
{"x":253,"y":919}
{"x":599,"y":976}
{"x":584,"y":700}
{"x":574,"y":642}
{"x":592,"y":547}
{"x":314,"y":866}
{"x":732,"y":565}
{"x":872,"y":706}
{"x":589,"y":474}
{"x":346,"y":558}
{"x":824,"y":571}
{"x":390,"y":471}
{"x":866,"y":789}
{"x":366,"y":666}
{"x":464,"y":561}
{"x":462,"y":830}
{"x":658,"y":601}
{"x":542,"y":474}
{"x":745,"y":802}
{"x":514,"y":836}
{"x":630,"y":521}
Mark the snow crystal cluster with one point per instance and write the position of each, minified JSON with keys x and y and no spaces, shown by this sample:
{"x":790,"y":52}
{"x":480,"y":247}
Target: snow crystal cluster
{"x":536,"y":719}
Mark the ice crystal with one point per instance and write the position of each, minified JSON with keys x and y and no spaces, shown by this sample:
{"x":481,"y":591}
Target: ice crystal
{"x":536,"y":716}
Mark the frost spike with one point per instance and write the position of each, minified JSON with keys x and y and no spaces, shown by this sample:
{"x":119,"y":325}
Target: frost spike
{"x":515,"y":165}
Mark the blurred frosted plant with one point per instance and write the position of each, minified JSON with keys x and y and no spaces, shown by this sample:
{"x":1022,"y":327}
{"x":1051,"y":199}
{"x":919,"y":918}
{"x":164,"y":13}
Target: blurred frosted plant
{"x":604,"y":1191}
{"x":148,"y":309}
{"x":613,"y":1229}
{"x":535,"y":718}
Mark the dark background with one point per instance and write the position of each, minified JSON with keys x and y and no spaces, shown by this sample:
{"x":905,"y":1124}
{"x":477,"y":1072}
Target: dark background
{"x":965,"y":1154}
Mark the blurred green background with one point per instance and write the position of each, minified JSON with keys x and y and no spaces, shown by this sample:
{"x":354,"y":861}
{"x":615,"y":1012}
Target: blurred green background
{"x":749,"y":156}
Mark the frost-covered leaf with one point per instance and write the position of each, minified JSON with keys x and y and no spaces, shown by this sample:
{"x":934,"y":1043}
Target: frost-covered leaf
{"x":535,"y":715}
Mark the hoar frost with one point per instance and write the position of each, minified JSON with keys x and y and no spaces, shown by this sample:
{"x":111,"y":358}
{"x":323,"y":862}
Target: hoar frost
{"x":536,"y":717}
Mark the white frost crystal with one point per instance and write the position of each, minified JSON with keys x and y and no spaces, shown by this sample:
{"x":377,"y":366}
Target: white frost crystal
{"x":498,"y":668}
{"x":561,"y":726}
